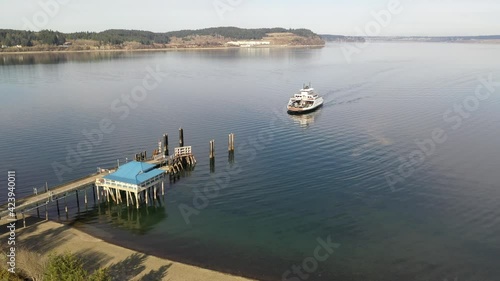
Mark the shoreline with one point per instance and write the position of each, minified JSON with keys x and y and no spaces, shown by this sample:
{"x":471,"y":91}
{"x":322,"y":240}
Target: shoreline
{"x":158,"y":49}
{"x":483,"y":42}
{"x":46,"y":237}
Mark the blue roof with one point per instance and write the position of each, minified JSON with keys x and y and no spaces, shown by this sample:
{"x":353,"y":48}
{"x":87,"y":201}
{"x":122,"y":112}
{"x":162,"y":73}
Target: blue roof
{"x":135,"y":173}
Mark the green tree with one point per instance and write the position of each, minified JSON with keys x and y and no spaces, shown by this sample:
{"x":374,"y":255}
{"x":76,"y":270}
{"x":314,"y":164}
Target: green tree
{"x":8,"y":40}
{"x":68,"y":267}
{"x":100,"y":275}
{"x":50,"y":37}
{"x":65,"y":267}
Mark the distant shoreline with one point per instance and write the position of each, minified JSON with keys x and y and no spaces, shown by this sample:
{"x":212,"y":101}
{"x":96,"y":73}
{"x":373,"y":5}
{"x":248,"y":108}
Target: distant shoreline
{"x":158,"y":49}
{"x":483,"y":42}
{"x":493,"y":42}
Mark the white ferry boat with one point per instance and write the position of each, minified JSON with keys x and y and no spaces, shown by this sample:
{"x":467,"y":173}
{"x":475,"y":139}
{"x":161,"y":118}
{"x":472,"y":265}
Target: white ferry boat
{"x":305,"y":101}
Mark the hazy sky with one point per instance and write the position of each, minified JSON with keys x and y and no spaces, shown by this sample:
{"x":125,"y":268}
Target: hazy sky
{"x":418,"y":17}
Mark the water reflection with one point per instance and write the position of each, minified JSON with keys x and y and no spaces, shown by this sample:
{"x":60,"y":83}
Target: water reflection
{"x":139,"y":221}
{"x":55,"y":58}
{"x":228,"y":53}
{"x":305,"y":120}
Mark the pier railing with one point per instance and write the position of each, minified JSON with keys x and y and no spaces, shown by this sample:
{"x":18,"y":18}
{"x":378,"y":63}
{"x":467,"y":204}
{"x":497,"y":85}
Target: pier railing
{"x":183,"y":151}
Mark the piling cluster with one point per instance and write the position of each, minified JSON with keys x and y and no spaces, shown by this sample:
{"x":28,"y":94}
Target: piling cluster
{"x":142,"y":156}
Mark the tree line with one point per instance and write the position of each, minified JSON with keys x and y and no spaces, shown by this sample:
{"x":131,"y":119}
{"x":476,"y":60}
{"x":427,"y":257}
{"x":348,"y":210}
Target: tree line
{"x":9,"y":37}
{"x":29,"y":38}
{"x":119,"y":36}
{"x":240,"y":33}
{"x":49,"y":37}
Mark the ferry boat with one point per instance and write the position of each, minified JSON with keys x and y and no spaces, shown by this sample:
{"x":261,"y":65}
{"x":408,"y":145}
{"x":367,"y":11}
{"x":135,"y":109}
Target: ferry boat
{"x":304,"y":101}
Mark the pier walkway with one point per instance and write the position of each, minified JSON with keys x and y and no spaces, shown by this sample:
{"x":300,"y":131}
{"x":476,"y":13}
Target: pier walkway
{"x":39,"y":200}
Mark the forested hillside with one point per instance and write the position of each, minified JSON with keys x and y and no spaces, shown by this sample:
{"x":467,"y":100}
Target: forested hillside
{"x":135,"y":39}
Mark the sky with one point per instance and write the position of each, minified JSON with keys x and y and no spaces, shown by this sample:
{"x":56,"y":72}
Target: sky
{"x":344,"y":17}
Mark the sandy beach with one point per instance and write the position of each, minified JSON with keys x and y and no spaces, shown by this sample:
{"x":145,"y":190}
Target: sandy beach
{"x":50,"y":237}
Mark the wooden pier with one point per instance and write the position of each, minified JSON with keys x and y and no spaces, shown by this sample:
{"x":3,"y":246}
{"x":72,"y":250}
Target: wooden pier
{"x":134,"y":183}
{"x":101,"y":189}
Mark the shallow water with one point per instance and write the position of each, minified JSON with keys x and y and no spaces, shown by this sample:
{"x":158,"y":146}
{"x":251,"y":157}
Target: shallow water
{"x":295,"y":179}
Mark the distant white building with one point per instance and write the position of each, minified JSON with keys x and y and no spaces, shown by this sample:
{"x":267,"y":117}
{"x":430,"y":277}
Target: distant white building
{"x":248,"y":43}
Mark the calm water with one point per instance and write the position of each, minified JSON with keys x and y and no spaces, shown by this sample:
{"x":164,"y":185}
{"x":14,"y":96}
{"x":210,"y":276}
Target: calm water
{"x":294,"y":179}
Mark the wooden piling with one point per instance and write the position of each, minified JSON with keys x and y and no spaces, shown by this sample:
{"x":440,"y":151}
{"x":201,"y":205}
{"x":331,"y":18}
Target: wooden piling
{"x":165,"y":144}
{"x":46,"y":212}
{"x":230,"y":142}
{"x":181,"y":137}
{"x":58,"y":211}
{"x":24,"y":221}
{"x":137,"y":199}
{"x":212,"y":149}
{"x":77,"y":200}
{"x":85,"y":198}
{"x":110,"y":193}
{"x":66,"y":204}
{"x":162,"y":187}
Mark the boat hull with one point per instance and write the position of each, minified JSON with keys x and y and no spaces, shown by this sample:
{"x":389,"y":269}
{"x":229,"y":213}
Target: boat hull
{"x":299,"y":111}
